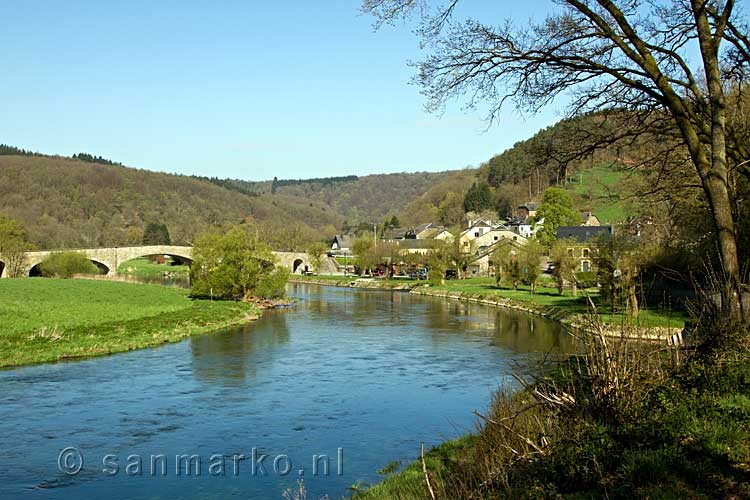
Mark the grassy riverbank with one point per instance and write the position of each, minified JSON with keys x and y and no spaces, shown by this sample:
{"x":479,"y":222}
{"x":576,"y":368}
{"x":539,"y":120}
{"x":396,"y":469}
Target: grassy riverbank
{"x":546,"y":301}
{"x":49,"y":320}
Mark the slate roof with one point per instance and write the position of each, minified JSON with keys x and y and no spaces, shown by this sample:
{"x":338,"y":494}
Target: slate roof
{"x":583,"y":234}
{"x":344,"y":240}
{"x":409,"y":243}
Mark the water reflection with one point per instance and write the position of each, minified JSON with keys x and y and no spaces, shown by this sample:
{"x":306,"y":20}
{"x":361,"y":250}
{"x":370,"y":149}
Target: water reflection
{"x":375,"y":373}
{"x":228,"y":357}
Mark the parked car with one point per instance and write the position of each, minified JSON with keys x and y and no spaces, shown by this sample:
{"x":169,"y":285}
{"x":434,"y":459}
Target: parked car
{"x":419,"y":274}
{"x":451,"y":274}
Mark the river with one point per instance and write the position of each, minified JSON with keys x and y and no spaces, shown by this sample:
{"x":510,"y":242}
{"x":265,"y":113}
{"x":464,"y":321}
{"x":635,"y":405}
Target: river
{"x":361,"y":377}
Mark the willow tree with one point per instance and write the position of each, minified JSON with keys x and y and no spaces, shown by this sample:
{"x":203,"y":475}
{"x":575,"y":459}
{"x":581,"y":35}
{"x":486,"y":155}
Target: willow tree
{"x":663,"y":64}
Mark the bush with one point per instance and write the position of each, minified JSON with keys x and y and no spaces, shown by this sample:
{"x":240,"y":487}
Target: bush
{"x":235,"y":265}
{"x":273,"y":285}
{"x":66,"y":264}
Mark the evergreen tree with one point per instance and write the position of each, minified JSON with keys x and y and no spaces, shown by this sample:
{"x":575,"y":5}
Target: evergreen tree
{"x":479,"y":198}
{"x":156,"y":234}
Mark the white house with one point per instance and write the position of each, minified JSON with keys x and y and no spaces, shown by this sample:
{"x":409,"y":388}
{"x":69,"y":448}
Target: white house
{"x":342,"y":243}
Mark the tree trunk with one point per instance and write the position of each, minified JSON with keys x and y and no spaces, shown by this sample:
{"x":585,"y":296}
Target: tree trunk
{"x":632,"y":306}
{"x":721,"y":209}
{"x":714,"y":174}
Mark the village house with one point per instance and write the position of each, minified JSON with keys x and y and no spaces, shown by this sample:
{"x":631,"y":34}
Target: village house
{"x":415,"y":246}
{"x":589,"y":219}
{"x":428,"y":231}
{"x":482,"y":235}
{"x":342,"y":244}
{"x":476,"y":229}
{"x":527,"y":210}
{"x":583,"y":241}
{"x":394,"y":234}
{"x":483,"y":265}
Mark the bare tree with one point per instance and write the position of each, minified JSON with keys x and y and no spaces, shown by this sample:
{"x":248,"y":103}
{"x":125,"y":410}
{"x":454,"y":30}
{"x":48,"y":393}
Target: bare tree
{"x":666,"y":65}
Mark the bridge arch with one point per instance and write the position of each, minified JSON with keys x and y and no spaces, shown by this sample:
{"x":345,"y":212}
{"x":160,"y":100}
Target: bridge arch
{"x":298,"y":265}
{"x":2,"y":268}
{"x":35,"y":271}
{"x":177,"y":259}
{"x":182,"y":255}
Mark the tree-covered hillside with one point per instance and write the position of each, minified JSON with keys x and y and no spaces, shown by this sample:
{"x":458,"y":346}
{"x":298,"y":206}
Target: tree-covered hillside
{"x":65,"y":203}
{"x":369,"y":198}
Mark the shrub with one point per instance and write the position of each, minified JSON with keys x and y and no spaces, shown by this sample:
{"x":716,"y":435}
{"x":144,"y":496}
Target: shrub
{"x":273,"y":285}
{"x":66,"y":264}
{"x":235,"y":265}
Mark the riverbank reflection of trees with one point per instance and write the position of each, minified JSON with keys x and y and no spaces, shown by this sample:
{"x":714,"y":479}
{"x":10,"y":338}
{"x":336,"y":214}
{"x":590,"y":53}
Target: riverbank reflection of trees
{"x":228,"y":357}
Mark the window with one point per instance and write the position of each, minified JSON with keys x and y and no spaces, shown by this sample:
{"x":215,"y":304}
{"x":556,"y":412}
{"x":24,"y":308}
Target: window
{"x":466,"y":243}
{"x":570,"y":251}
{"x":497,"y":238}
{"x":585,"y":266}
{"x":586,"y":253}
{"x":476,"y":234}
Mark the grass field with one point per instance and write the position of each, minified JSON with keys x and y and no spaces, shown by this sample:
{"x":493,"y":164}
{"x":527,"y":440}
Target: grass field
{"x":602,"y":190}
{"x":549,"y":297}
{"x":48,"y":319}
{"x":144,"y":268}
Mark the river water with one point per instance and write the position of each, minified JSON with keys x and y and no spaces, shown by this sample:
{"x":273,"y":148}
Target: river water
{"x":356,"y":378}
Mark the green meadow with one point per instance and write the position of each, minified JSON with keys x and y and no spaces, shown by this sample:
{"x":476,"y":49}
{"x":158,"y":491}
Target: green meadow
{"x":144,"y":268}
{"x":52,"y":319}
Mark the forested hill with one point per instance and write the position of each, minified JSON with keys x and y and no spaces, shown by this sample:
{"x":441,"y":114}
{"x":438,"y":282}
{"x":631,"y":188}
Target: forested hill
{"x":74,"y":203}
{"x":66,"y":203}
{"x":369,"y":198}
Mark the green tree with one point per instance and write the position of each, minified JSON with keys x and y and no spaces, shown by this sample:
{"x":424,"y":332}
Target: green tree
{"x":394,"y":222}
{"x":362,"y":255}
{"x":501,"y":256}
{"x":478,"y":198}
{"x":530,"y":260}
{"x":13,"y":244}
{"x":66,"y":265}
{"x":620,"y":261}
{"x":514,"y":271}
{"x":317,"y":252}
{"x":565,"y":263}
{"x":557,"y":209}
{"x":156,"y":234}
{"x":438,"y":262}
{"x":235,"y":265}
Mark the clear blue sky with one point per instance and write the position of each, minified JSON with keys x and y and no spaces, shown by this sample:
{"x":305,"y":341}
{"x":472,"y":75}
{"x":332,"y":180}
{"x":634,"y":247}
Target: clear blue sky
{"x":241,"y":89}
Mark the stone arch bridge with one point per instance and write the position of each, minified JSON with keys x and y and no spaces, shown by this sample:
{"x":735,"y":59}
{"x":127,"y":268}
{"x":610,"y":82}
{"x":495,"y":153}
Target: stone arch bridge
{"x":109,"y":259}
